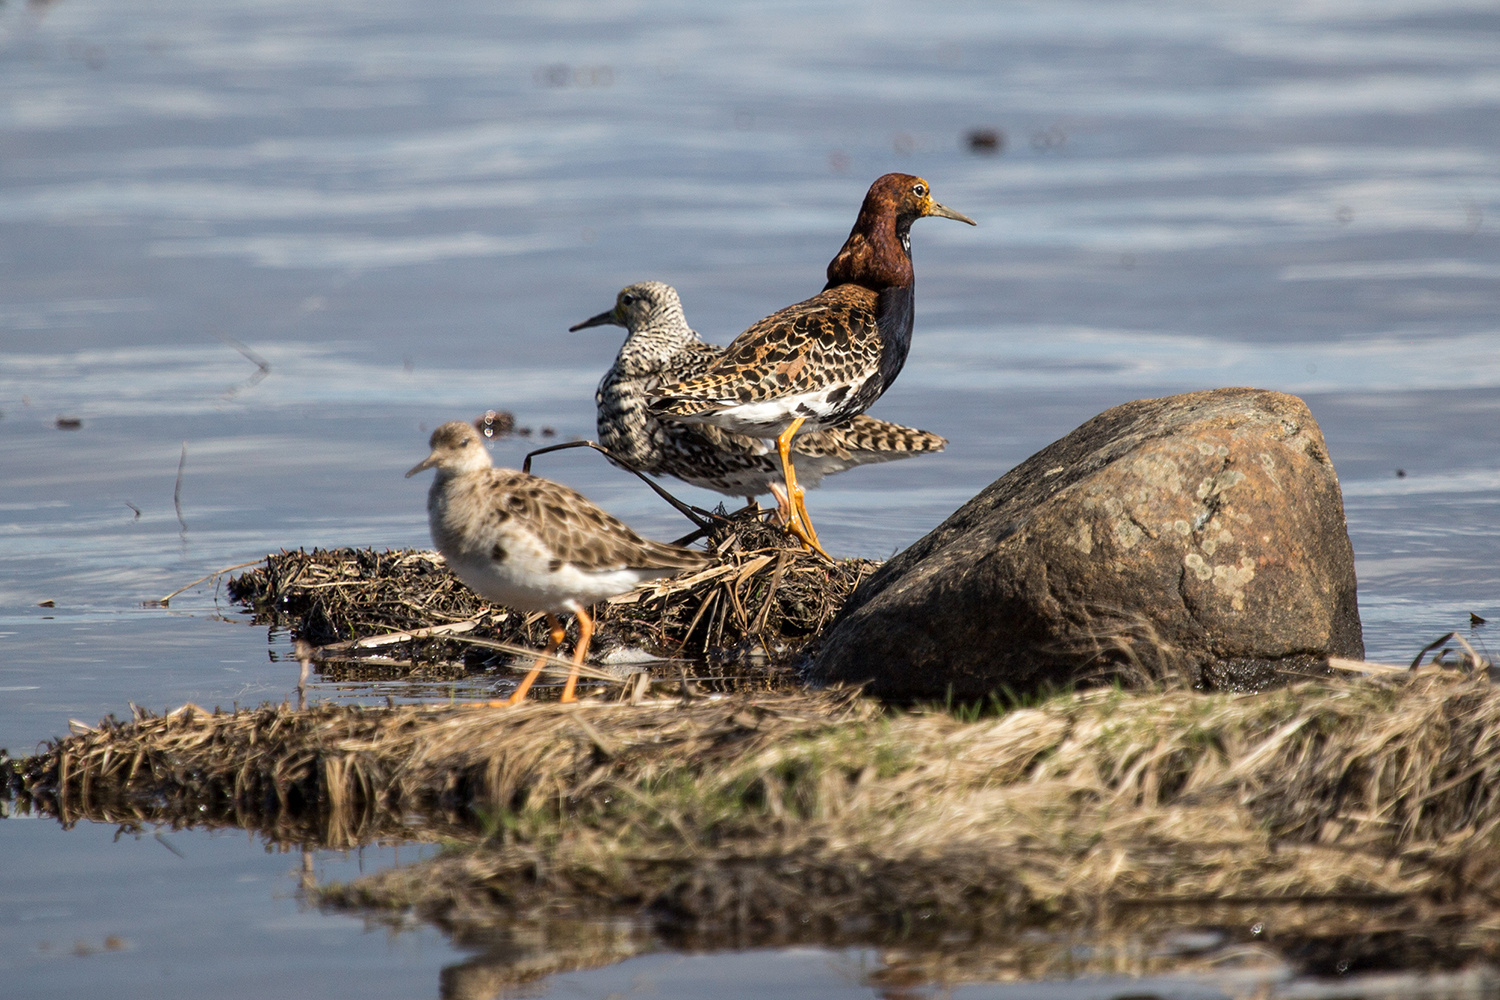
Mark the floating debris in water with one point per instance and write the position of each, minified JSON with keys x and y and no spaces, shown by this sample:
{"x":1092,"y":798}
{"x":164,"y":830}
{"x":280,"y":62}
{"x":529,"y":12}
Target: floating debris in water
{"x":559,"y":75}
{"x":987,"y":141}
{"x":495,"y":423}
{"x":68,"y":423}
{"x":1462,"y":656}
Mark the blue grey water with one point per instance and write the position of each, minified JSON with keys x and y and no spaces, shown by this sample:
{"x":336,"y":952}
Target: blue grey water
{"x":400,"y":208}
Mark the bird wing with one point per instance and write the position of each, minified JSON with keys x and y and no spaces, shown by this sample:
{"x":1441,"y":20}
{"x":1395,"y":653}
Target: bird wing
{"x":578,"y":532}
{"x":830,"y":338}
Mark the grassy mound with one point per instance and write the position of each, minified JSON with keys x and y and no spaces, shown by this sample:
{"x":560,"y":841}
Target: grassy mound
{"x":1360,"y":807}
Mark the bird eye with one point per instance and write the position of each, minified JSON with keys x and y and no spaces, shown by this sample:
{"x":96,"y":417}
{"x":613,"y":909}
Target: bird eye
{"x":626,"y":300}
{"x":920,"y":190}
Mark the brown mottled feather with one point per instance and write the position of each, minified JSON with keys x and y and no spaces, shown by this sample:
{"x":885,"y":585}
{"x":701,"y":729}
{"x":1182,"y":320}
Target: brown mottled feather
{"x":576,"y":530}
{"x":828,"y":339}
{"x":821,"y":361}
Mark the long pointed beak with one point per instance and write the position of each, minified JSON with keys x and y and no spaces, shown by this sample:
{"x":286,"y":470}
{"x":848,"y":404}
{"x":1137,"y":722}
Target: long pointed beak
{"x":603,"y":319}
{"x":944,"y":212}
{"x":423,"y":465}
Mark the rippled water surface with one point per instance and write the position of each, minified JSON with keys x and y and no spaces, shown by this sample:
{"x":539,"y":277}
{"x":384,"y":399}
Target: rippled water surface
{"x":271,"y":244}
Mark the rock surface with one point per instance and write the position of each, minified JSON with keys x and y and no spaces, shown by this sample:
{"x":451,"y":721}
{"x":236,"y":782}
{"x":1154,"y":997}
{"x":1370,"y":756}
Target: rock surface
{"x":1199,"y":535}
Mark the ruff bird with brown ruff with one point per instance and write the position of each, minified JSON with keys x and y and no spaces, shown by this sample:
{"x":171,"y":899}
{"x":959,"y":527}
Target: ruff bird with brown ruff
{"x":819,"y":362}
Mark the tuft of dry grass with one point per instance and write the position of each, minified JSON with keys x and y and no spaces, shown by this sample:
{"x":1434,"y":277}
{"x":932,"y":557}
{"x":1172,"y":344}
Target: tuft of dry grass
{"x":342,"y":776}
{"x":1366,"y":802}
{"x":737,"y":624}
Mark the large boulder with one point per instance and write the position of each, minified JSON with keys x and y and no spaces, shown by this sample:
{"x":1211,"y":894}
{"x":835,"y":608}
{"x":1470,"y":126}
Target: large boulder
{"x":1200,"y":536}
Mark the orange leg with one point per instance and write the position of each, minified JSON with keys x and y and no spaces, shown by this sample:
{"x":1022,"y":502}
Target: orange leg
{"x":799,"y":524}
{"x":557,"y":637}
{"x":585,"y":633}
{"x":783,"y":505}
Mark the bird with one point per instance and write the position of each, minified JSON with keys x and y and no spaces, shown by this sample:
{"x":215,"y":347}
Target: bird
{"x":819,"y":362}
{"x":660,"y":346}
{"x":531,"y":544}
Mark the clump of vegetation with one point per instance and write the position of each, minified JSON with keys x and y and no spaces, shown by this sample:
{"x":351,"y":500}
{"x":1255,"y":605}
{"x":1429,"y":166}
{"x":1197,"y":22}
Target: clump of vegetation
{"x":1340,"y":806}
{"x":348,"y":775}
{"x":738,"y":624}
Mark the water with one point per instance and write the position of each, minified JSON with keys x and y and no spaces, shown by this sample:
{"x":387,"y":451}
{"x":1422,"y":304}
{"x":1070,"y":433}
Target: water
{"x":400,"y":209}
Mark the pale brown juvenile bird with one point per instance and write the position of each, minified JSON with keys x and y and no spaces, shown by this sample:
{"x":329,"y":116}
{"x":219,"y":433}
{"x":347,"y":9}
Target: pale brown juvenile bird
{"x":534,"y":545}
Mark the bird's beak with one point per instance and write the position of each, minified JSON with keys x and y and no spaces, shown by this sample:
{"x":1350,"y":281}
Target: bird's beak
{"x":603,"y":319}
{"x":944,"y":212}
{"x":423,"y":465}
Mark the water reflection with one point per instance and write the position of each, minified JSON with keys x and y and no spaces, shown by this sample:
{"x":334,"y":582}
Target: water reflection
{"x":570,"y":946}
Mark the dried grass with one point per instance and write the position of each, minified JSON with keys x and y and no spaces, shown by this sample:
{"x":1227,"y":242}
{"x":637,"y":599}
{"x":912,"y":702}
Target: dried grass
{"x":1361,"y":803}
{"x":737,"y":625}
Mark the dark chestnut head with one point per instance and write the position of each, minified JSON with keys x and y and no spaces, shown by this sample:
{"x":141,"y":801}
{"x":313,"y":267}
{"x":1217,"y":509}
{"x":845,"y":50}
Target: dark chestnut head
{"x":906,"y":198}
{"x":877,"y":253}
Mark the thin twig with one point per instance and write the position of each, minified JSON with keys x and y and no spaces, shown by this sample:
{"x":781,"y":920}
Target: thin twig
{"x":552,"y":665}
{"x":167,"y":844}
{"x":177,"y":490}
{"x":694,"y":514}
{"x":711,"y":596}
{"x":526,"y":462}
{"x":733,"y":589}
{"x":263,"y":367}
{"x":604,"y":746}
{"x":1472,"y":661}
{"x":388,"y":638}
{"x":1434,"y":644}
{"x":782,"y":558}
{"x":1363,"y":666}
{"x":215,"y":574}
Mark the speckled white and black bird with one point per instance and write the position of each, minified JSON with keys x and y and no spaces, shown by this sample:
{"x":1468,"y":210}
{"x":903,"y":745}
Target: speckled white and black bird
{"x":661,"y":347}
{"x":534,"y":545}
{"x":819,"y":362}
